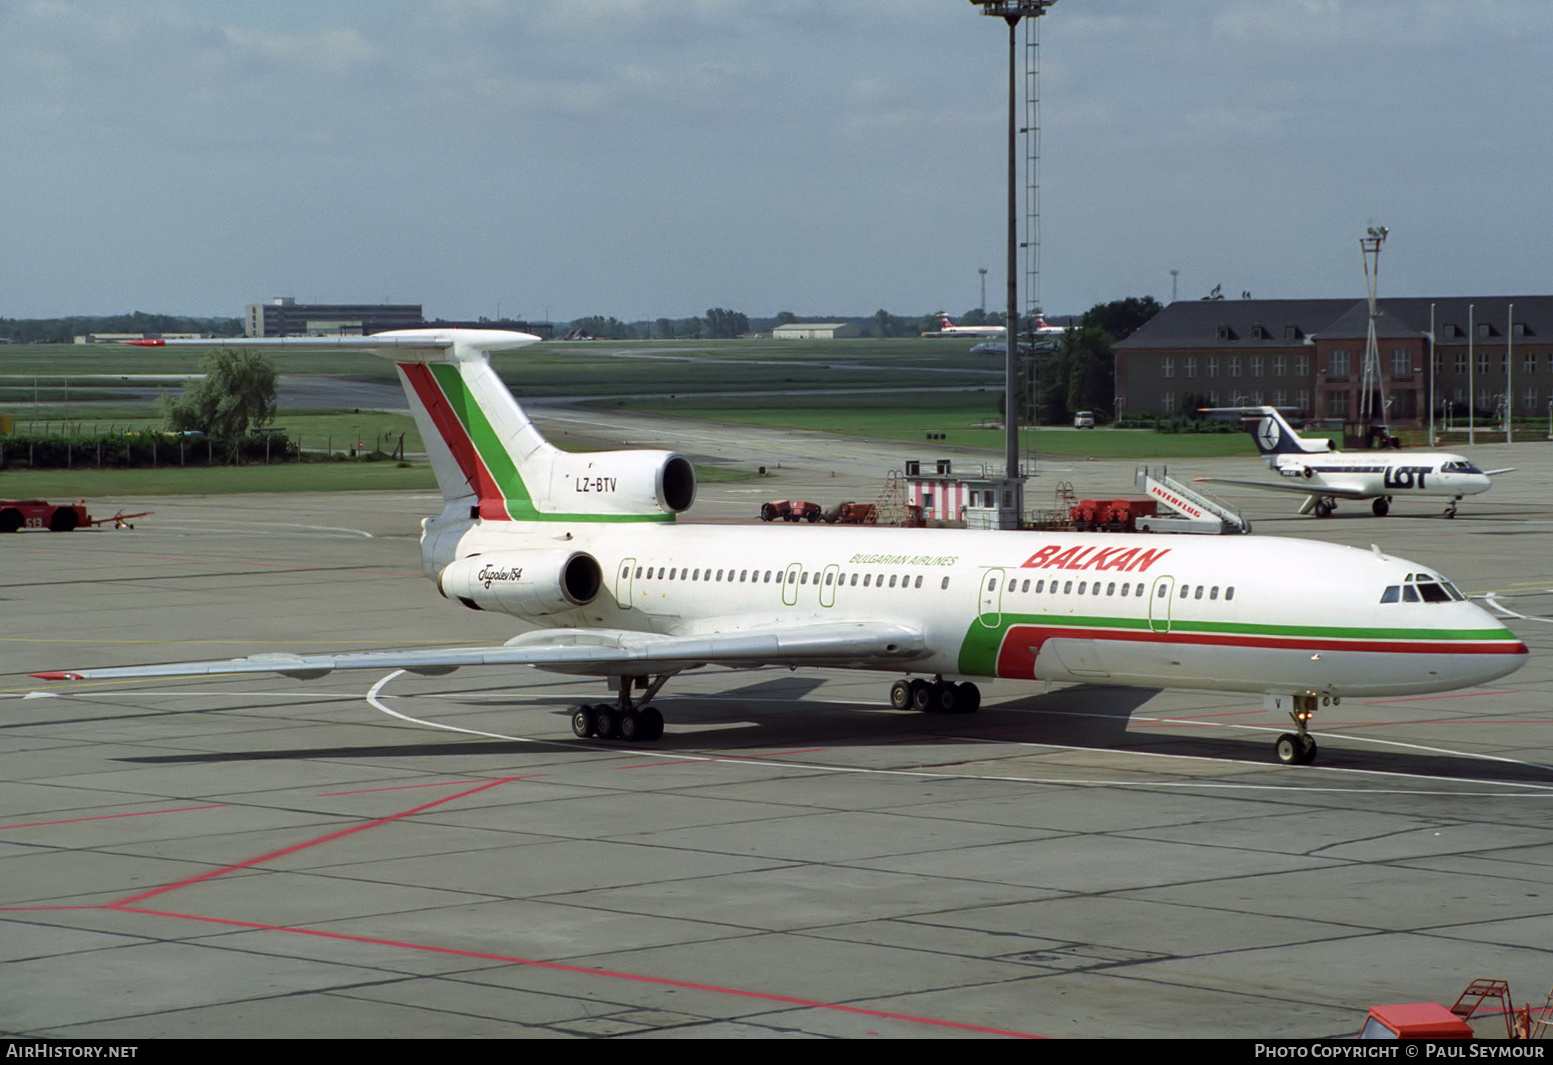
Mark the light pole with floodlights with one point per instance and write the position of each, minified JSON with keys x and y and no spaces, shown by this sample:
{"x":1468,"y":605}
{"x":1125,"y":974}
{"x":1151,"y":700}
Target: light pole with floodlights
{"x":1012,"y":11}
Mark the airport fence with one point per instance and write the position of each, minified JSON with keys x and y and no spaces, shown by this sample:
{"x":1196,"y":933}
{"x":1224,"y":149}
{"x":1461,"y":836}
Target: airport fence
{"x":123,"y":450}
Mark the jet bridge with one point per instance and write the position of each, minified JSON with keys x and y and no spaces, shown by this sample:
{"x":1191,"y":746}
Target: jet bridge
{"x":1191,"y":509}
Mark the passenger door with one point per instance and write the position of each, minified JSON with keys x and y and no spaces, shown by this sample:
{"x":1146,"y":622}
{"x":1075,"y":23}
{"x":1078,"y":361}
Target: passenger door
{"x":1160,"y":597}
{"x":990,"y":609}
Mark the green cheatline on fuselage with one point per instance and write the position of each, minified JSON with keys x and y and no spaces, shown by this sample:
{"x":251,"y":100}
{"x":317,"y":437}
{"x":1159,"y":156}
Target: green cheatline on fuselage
{"x":492,"y":453}
{"x":983,"y":641}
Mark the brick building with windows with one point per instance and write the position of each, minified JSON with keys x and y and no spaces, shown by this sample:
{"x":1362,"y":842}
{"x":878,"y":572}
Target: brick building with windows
{"x":1489,"y":352}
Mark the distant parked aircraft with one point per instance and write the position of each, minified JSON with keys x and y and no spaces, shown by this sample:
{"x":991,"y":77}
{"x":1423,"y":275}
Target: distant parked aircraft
{"x":1323,"y":475}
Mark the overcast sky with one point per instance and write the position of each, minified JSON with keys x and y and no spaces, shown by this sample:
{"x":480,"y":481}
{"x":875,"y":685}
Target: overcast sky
{"x":645,"y":158}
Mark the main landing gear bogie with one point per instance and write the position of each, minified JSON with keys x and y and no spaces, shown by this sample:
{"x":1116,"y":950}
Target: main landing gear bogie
{"x":607,"y":722}
{"x":935,"y":697}
{"x":623,"y":720}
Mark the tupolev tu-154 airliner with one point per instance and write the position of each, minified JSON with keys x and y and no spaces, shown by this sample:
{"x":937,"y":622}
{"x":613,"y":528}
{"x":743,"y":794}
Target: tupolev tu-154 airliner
{"x":590,"y":548}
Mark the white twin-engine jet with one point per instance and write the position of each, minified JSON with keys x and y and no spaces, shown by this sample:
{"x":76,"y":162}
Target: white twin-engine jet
{"x":946,"y":327}
{"x":588,"y":546}
{"x":1323,"y":475}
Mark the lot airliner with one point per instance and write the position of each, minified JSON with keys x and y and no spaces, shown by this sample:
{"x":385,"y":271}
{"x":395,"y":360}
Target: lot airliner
{"x":590,"y":548}
{"x":1323,"y":475}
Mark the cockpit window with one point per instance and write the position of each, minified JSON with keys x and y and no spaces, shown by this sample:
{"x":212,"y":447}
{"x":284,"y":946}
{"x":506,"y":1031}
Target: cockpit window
{"x":1459,"y":466}
{"x":1421,"y":588}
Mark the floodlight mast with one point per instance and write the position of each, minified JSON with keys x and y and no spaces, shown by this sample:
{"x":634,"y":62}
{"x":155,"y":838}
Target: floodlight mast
{"x":1370,"y":381}
{"x":1012,"y":11}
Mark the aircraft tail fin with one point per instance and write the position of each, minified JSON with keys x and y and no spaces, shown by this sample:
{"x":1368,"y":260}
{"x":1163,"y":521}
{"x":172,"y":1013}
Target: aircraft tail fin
{"x":488,"y":455}
{"x":1272,"y":434}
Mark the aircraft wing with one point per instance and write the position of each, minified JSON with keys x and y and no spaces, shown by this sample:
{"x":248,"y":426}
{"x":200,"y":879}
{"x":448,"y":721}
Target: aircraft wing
{"x":1296,"y":487}
{"x":602,"y":652}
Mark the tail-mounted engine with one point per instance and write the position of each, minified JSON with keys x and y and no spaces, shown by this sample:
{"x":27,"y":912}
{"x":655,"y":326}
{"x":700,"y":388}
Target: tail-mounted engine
{"x":620,"y":482}
{"x":525,"y":583}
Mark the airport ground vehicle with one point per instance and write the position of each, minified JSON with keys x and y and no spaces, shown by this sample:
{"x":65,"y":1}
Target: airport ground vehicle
{"x":1414,"y":1020}
{"x":1111,"y":515}
{"x":19,"y":514}
{"x":852,"y":514}
{"x":790,"y":510}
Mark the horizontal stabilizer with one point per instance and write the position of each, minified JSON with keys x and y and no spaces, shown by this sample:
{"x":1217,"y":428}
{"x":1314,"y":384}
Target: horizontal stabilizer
{"x":432,"y":344}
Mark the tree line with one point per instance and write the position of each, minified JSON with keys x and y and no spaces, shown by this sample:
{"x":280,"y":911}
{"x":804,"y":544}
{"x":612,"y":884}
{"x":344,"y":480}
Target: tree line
{"x":65,"y":330}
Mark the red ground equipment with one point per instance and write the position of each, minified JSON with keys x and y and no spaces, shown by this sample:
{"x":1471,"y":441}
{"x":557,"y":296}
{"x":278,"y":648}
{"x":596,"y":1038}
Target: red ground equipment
{"x":1414,"y":1020}
{"x":1111,"y":515}
{"x":852,"y":514}
{"x":789,"y":510}
{"x":19,"y":514}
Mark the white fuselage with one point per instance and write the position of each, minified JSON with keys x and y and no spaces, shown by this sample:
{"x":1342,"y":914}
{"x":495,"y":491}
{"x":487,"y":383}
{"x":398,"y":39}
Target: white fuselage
{"x":1245,"y":614}
{"x":1428,"y":474}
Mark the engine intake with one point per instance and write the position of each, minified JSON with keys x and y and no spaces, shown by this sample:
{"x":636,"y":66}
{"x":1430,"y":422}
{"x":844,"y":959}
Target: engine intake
{"x":621,"y":482}
{"x":525,"y":583}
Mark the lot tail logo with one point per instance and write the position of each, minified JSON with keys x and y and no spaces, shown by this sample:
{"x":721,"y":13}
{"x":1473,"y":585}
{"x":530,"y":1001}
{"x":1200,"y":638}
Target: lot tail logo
{"x":1268,"y":434}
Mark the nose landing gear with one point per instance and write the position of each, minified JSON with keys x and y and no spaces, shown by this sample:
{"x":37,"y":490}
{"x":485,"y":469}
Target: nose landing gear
{"x":1299,"y":747}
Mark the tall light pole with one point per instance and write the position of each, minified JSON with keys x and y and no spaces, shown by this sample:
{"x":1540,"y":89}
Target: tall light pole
{"x":1371,"y":384}
{"x":983,"y":272}
{"x":1012,"y":11}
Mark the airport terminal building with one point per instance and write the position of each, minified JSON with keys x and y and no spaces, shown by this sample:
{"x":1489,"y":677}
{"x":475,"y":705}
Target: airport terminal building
{"x":1488,"y":352}
{"x":285,"y":317}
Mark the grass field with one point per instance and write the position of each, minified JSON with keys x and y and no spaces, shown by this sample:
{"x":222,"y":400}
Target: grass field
{"x":966,"y":419}
{"x":60,"y":485}
{"x":898,"y":389}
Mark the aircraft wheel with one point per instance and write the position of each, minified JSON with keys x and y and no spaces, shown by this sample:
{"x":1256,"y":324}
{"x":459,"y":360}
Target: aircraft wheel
{"x":652,"y":724}
{"x":1307,"y":751}
{"x":946,"y":698}
{"x":1450,"y":511}
{"x":1288,"y":749}
{"x":606,"y":723}
{"x":1381,"y":506}
{"x":582,"y":722}
{"x":1324,"y":508}
{"x":630,"y":726}
{"x":967,"y":698}
{"x":900,"y":695}
{"x":921,"y":696}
